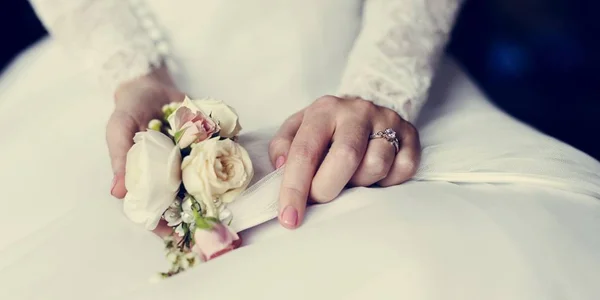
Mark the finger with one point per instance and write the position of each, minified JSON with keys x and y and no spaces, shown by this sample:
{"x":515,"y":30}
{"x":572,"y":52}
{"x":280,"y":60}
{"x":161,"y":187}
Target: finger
{"x":407,"y":160}
{"x":376,"y":163}
{"x":304,"y":156}
{"x":282,"y":141}
{"x":341,"y":162}
{"x":163,"y":230}
{"x":119,"y":138}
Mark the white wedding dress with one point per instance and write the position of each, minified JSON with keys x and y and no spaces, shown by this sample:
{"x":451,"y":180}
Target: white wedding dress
{"x":496,"y":211}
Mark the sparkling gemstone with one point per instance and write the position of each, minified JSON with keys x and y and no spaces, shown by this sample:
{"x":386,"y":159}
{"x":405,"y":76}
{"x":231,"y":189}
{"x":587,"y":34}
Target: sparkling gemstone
{"x":390,"y":134}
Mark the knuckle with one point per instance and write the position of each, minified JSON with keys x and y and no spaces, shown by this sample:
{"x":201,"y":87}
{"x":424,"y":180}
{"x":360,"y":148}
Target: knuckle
{"x":305,"y":154}
{"x":360,"y":108}
{"x":328,"y":98}
{"x":292,"y":192}
{"x":327,"y":102}
{"x":321,"y":195}
{"x":411,"y":130}
{"x":295,"y":119}
{"x":408,"y":167}
{"x":393,"y":116}
{"x":376,"y":167}
{"x":365,"y":105}
{"x":311,"y":111}
{"x":348,"y":152}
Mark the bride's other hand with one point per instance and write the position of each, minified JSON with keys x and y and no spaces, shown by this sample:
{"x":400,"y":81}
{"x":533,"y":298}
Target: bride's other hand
{"x":137,"y":102}
{"x":326,"y":147}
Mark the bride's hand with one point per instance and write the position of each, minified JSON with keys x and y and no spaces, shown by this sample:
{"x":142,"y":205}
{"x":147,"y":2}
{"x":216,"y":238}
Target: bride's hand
{"x":326,"y":147}
{"x":137,"y":102}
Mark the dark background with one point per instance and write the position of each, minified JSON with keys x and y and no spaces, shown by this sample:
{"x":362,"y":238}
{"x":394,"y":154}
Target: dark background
{"x":536,"y":59}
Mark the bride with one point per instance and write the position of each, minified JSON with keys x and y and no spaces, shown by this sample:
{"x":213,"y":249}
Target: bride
{"x":325,"y":145}
{"x":494,"y":209}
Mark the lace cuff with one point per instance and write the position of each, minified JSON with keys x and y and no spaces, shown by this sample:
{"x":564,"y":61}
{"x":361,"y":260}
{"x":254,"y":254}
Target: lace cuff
{"x":117,"y":38}
{"x":396,"y":53}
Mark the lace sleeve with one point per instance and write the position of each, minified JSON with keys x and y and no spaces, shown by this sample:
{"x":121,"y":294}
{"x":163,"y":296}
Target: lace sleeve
{"x":117,"y":38}
{"x":395,"y":55}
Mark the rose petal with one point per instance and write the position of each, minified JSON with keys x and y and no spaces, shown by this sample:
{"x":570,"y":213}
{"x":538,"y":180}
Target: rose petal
{"x":221,"y":252}
{"x":188,"y":137}
{"x":210,"y":243}
{"x":183,"y":115}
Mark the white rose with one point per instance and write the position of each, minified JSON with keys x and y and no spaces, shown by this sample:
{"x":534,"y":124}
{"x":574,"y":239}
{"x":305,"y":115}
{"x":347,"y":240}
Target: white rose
{"x":152,"y":177}
{"x":216,"y":170}
{"x":173,"y":214}
{"x":225,"y":116}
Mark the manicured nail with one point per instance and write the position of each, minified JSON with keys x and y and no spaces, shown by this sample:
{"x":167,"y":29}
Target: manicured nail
{"x":289,"y":217}
{"x":113,"y":184}
{"x":279,"y":162}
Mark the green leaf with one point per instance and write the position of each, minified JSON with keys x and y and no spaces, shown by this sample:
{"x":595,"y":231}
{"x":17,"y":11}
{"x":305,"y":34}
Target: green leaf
{"x":200,"y":221}
{"x":202,"y":224}
{"x":213,"y":219}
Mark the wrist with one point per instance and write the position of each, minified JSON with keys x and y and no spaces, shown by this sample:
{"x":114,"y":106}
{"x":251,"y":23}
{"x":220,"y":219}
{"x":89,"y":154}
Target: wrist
{"x":158,"y":79}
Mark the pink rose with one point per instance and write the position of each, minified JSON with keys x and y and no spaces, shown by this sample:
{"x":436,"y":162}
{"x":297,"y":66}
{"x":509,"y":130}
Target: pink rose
{"x":214,"y":242}
{"x":190,"y":125}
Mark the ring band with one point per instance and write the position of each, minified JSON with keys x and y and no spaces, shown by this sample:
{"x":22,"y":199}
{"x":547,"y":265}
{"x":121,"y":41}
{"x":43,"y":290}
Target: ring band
{"x":389,"y":135}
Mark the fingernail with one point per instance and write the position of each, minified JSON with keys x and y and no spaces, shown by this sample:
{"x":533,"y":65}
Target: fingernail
{"x":289,"y":217}
{"x":113,"y":184}
{"x":279,"y":162}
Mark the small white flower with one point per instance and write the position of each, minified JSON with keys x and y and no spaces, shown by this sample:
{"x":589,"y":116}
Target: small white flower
{"x":189,"y":260}
{"x":173,"y":217}
{"x":187,"y":204}
{"x":176,"y":203}
{"x":179,"y":230}
{"x":185,"y":264}
{"x":172,"y":257}
{"x":187,"y":215}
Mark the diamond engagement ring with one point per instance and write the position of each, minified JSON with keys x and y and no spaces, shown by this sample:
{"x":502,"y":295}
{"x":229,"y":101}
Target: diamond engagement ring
{"x":389,"y":135}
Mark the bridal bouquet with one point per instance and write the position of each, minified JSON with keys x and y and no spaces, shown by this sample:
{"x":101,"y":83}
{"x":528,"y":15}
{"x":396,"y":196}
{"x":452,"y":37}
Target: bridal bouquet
{"x":185,"y":169}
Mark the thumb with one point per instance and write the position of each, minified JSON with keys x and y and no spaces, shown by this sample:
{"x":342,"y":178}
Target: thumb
{"x":119,"y":137}
{"x":282,"y":141}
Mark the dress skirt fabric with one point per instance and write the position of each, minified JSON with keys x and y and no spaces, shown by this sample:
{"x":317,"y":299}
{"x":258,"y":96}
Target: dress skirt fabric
{"x":496,"y":211}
